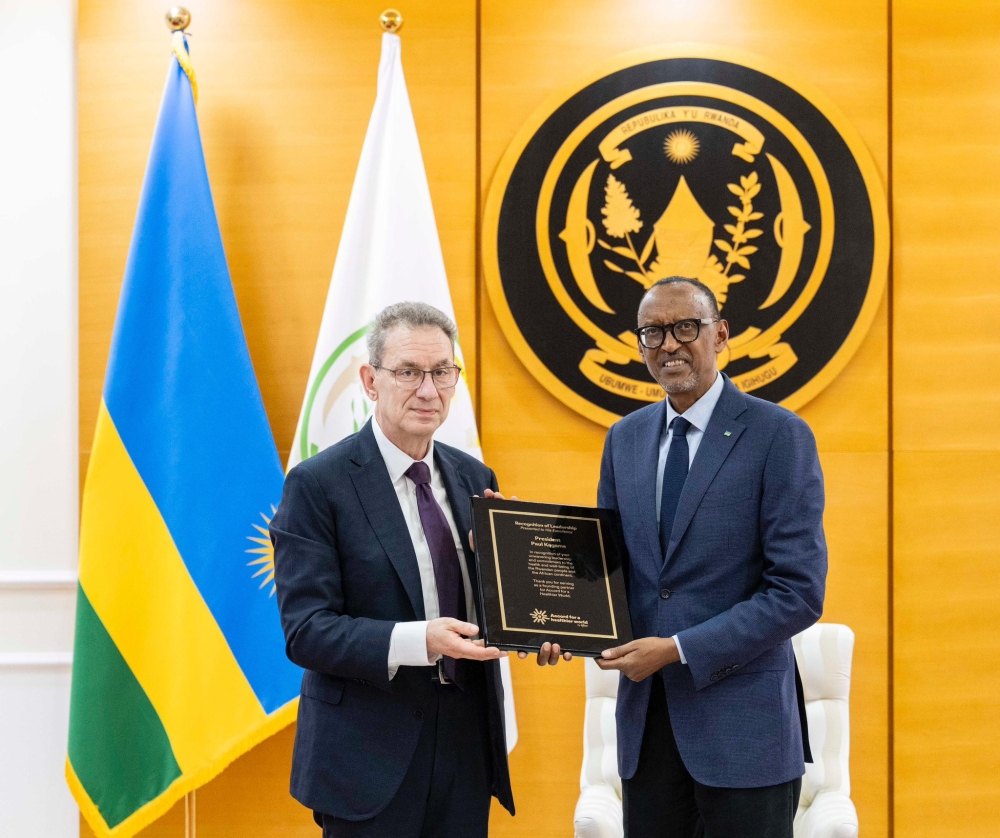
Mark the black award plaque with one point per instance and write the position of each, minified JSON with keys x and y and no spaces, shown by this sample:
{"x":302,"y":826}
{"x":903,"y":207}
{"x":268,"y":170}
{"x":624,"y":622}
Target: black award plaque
{"x":552,"y":573}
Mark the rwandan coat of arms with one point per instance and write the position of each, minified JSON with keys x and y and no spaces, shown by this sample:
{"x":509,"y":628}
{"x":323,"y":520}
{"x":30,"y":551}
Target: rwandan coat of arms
{"x":698,"y":162}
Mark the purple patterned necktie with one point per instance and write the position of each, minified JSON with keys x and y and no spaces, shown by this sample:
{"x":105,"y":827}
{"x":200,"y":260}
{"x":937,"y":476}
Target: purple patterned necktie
{"x":447,"y":571}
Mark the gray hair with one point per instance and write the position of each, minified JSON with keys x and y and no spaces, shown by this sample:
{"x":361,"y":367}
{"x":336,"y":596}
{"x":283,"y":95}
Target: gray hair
{"x":410,"y":316}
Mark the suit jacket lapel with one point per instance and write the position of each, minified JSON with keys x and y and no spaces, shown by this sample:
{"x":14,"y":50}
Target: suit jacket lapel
{"x":720,"y":436}
{"x":648,"y":433}
{"x":381,"y":505}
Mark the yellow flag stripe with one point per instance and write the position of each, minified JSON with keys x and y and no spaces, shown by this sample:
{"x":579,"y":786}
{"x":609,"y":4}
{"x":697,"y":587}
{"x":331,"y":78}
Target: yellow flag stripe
{"x":137,"y":583}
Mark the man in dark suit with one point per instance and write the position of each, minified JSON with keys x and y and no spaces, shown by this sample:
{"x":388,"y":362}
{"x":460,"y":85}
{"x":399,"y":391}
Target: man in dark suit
{"x":721,"y":502}
{"x":401,"y":724}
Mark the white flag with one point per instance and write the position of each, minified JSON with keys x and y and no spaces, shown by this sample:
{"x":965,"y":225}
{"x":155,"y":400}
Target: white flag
{"x":389,"y":252}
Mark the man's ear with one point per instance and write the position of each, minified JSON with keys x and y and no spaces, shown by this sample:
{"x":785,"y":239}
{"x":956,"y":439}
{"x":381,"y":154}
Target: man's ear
{"x":721,"y":336}
{"x":367,"y":373}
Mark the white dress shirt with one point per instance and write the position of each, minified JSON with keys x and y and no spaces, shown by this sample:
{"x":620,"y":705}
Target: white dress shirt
{"x":699,"y":415}
{"x":408,"y":642}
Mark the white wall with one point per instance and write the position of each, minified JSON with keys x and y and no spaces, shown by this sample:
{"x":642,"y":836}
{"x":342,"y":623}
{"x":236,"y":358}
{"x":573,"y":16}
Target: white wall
{"x":38,"y":412}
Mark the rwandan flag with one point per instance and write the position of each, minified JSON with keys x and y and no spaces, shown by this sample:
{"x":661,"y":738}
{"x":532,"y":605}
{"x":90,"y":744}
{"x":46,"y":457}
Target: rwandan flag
{"x":179,"y":664}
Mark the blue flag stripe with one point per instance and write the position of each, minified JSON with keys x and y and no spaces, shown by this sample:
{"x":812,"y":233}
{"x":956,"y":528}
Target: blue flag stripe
{"x":182,"y":392}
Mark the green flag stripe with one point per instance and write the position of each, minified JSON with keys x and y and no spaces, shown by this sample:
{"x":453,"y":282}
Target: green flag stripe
{"x":118,"y":746}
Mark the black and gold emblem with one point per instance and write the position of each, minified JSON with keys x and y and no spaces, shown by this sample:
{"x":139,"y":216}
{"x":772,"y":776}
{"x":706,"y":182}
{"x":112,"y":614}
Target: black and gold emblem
{"x":699,"y":162}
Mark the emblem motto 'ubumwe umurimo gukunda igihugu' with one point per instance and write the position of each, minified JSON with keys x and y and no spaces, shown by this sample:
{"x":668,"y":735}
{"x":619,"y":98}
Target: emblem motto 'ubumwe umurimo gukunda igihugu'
{"x":697,"y":164}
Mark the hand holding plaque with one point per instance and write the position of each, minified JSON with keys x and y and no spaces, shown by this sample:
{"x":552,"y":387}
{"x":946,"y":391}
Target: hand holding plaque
{"x":549,"y":574}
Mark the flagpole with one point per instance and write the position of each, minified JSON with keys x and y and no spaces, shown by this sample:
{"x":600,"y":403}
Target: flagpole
{"x":191,"y":814}
{"x":178,"y":19}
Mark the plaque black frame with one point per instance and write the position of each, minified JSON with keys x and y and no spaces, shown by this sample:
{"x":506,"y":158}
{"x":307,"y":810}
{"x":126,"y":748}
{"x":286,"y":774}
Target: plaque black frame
{"x":507,"y":632}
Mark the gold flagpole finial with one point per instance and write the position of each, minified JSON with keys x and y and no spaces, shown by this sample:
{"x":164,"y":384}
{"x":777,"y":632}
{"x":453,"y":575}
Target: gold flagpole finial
{"x":178,"y":18}
{"x":391,"y":21}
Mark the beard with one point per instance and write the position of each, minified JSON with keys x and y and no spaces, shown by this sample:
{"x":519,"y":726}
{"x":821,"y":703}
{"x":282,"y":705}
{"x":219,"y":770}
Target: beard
{"x":684,"y":385}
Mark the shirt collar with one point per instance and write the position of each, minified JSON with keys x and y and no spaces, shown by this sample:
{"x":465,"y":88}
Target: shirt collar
{"x":701,"y":411}
{"x":398,"y":461}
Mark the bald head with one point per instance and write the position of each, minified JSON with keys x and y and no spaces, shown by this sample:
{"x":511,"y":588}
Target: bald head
{"x":704,"y":290}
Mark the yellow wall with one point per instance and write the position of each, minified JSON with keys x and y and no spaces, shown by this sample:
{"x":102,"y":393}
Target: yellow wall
{"x":946,"y":418}
{"x":286,"y":90}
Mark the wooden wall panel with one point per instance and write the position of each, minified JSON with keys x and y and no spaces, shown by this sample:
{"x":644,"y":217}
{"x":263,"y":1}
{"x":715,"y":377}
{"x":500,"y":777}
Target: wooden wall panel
{"x":946,"y":152}
{"x":946,"y":163}
{"x":857,"y":593}
{"x":544,"y":451}
{"x":947,"y":628}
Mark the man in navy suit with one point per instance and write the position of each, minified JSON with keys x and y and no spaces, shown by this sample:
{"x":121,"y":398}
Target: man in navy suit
{"x":401,"y":725}
{"x":721,"y":502}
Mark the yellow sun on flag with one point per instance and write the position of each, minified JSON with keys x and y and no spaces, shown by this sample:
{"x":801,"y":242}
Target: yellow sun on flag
{"x":265,"y":551}
{"x":681,"y":147}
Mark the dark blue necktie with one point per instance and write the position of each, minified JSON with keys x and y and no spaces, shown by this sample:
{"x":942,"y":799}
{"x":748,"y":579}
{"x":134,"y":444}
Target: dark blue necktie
{"x":447,"y":571}
{"x":675,"y":472}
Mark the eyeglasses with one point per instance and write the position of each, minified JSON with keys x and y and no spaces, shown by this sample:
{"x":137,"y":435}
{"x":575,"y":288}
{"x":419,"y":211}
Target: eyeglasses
{"x":410,"y":378}
{"x":683,"y":331}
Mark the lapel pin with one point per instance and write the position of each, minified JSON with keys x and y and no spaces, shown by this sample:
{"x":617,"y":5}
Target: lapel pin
{"x":728,"y":433}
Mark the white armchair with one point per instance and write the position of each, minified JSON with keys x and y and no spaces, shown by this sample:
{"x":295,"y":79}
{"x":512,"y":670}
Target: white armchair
{"x":824,"y":654}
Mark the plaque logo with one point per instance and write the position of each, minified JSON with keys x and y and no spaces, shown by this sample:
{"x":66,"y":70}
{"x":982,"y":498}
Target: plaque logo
{"x":539,"y":616}
{"x":696,"y":161}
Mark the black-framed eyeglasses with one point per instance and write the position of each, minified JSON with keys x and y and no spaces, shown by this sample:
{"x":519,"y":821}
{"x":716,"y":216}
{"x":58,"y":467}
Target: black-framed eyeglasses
{"x":684,"y":331}
{"x":410,"y":378}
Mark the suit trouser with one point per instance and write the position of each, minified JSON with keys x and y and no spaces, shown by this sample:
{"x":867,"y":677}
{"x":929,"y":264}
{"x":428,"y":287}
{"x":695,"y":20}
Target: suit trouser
{"x":445,"y":792}
{"x":662,"y":800}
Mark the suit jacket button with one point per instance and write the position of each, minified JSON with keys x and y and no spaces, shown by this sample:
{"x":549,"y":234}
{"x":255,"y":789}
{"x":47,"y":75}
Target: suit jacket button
{"x":665,"y":593}
{"x":418,"y":714}
{"x":714,"y":676}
